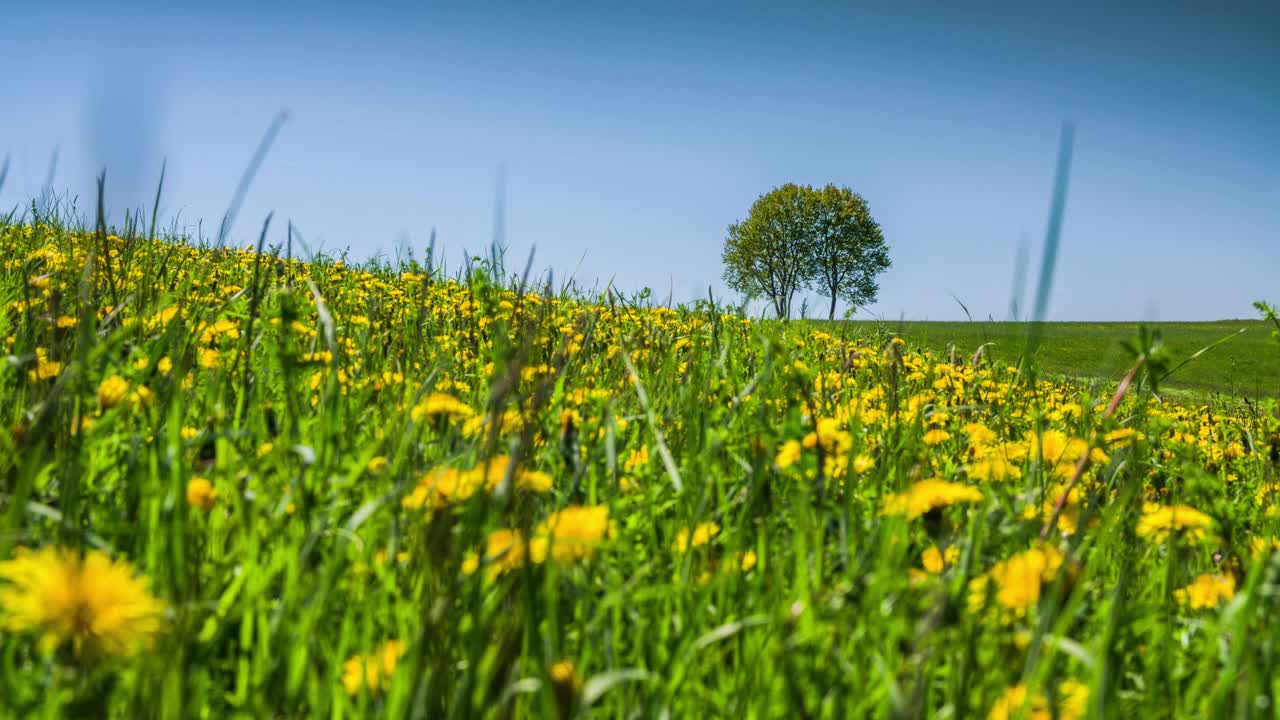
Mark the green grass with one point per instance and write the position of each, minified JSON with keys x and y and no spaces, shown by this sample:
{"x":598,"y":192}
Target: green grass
{"x":867,"y":532}
{"x":1245,"y":365}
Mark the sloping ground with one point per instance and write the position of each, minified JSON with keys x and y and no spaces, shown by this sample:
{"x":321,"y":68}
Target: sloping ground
{"x":1248,"y":364}
{"x":234,"y":485}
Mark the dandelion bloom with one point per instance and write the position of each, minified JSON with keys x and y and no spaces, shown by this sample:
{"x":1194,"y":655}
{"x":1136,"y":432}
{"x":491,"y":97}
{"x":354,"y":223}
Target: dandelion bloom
{"x":572,"y":533}
{"x":1019,"y":581}
{"x":504,"y":551}
{"x":1123,"y":437}
{"x":564,"y":673}
{"x":372,"y":670}
{"x":788,"y":454}
{"x":936,"y":436}
{"x":441,"y":405}
{"x":1207,"y":592}
{"x":702,"y":534}
{"x":201,"y":494}
{"x":934,"y":560}
{"x":928,"y":495}
{"x":1072,"y":702}
{"x":994,"y":468}
{"x":440,"y":488}
{"x":45,"y":368}
{"x":112,"y":391}
{"x":1158,"y":522}
{"x":97,"y":605}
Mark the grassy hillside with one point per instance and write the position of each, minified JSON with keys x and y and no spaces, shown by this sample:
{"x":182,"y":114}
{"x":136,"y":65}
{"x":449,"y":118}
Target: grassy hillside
{"x":1247,"y":364}
{"x":237,"y":485}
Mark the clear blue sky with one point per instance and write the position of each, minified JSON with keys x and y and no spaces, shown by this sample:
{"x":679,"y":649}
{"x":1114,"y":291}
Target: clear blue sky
{"x":632,"y":136}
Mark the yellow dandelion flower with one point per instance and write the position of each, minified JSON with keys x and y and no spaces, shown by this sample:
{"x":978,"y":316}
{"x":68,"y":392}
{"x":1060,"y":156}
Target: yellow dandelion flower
{"x":1207,"y":592}
{"x":928,"y":495}
{"x":1264,"y":545}
{"x":702,"y":534}
{"x":994,"y":468}
{"x":564,"y":673}
{"x":936,"y":436}
{"x":1123,"y":437}
{"x":112,"y":391}
{"x":979,"y":435}
{"x":45,"y":368}
{"x":788,"y":454}
{"x":1072,"y":702}
{"x":863,"y":463}
{"x":439,"y":488}
{"x":571,"y":534}
{"x":201,"y":494}
{"x":1019,"y":580}
{"x":504,"y":551}
{"x":1158,"y":522}
{"x":441,"y":405}
{"x":95,"y":604}
{"x":934,"y":560}
{"x":209,"y":359}
{"x":372,"y":670}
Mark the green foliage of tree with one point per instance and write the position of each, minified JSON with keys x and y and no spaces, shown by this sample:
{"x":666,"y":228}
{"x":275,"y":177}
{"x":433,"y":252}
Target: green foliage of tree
{"x":769,"y":252}
{"x":797,"y":237}
{"x":850,"y":250}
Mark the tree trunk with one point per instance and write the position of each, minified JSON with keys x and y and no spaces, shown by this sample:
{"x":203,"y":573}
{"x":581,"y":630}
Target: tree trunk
{"x":832,"y":314}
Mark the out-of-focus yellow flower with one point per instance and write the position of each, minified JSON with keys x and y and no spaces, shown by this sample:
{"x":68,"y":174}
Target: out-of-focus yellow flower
{"x":994,"y":468}
{"x":1019,"y":581}
{"x":373,"y":670}
{"x":702,"y":534}
{"x":936,"y":436}
{"x":574,"y":533}
{"x":934,"y":560}
{"x":863,"y":463}
{"x":45,"y":368}
{"x":1123,"y":437}
{"x":441,"y":405}
{"x":439,"y":488}
{"x":96,"y":605}
{"x":564,"y":673}
{"x":504,"y":551}
{"x":112,"y":391}
{"x":1158,"y":522}
{"x":209,"y":359}
{"x":1207,"y":591}
{"x":201,"y":494}
{"x":928,"y":495}
{"x":788,"y":454}
{"x":1072,"y":703}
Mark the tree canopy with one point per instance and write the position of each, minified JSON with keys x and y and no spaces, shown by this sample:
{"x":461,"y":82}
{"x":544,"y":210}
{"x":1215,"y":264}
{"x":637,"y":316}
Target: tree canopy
{"x":797,"y":237}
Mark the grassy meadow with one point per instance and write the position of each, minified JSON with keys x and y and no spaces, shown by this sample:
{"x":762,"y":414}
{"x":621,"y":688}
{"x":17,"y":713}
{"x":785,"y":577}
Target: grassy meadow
{"x":1245,"y":364}
{"x":238,"y":484}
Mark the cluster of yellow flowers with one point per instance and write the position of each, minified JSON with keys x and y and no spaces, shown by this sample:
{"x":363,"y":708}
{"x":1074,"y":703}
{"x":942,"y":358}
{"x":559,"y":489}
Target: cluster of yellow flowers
{"x":525,"y":429}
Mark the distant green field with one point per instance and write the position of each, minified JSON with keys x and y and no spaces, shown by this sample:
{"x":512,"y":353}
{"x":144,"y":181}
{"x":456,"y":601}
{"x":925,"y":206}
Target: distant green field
{"x":1248,"y":364}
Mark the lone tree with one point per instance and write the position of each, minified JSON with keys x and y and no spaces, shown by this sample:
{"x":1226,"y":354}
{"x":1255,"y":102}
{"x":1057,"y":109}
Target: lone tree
{"x":797,"y":237}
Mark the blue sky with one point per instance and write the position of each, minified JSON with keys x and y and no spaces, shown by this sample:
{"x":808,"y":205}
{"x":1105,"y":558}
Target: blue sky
{"x":631,"y":136}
